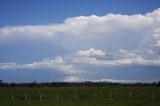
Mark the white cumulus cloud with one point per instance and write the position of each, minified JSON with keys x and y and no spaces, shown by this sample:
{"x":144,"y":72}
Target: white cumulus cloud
{"x":109,"y":40}
{"x":91,"y":52}
{"x":112,"y":31}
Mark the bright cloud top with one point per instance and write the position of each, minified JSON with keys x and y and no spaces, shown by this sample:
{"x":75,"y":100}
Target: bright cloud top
{"x":113,"y":31}
{"x":91,"y":52}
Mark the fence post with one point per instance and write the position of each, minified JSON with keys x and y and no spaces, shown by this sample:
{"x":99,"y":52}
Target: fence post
{"x":12,"y":96}
{"x":152,"y":96}
{"x":25,"y":96}
{"x":95,"y":94}
{"x":40,"y":96}
{"x":130,"y":94}
{"x":111,"y":95}
{"x":57,"y":96}
{"x":75,"y":95}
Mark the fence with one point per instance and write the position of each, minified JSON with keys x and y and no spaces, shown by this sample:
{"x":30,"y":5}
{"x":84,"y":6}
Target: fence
{"x":75,"y":96}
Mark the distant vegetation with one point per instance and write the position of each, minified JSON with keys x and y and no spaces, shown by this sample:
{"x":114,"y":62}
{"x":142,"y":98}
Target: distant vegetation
{"x":70,"y":84}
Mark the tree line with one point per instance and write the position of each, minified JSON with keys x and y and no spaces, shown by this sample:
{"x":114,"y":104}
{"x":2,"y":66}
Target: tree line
{"x":75,"y":84}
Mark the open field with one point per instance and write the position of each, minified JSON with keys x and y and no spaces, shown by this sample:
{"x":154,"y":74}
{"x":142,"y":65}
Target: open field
{"x":80,"y":96}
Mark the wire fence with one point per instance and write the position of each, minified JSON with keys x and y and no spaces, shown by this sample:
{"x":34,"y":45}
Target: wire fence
{"x":77,"y":96}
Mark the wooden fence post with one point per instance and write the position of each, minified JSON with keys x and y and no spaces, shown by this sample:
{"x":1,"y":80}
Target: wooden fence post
{"x":40,"y":96}
{"x":130,"y":94}
{"x":95,"y":94}
{"x":25,"y":96}
{"x":57,"y":96}
{"x":111,"y":95}
{"x":12,"y":96}
{"x":152,"y":96}
{"x":75,"y":95}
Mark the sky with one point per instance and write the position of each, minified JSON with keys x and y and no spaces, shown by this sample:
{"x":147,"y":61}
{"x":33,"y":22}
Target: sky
{"x":79,"y":40}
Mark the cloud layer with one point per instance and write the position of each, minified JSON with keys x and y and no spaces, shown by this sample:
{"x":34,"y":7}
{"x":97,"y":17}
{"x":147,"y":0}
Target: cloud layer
{"x":106,"y":41}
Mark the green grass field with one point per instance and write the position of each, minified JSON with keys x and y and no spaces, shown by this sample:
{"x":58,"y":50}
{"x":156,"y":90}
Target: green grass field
{"x":80,"y":96}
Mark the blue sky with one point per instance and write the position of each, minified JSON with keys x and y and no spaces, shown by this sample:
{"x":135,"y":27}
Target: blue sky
{"x":79,"y":40}
{"x":26,"y":12}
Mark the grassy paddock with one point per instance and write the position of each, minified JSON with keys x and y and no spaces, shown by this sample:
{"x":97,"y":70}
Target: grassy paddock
{"x":80,"y":96}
